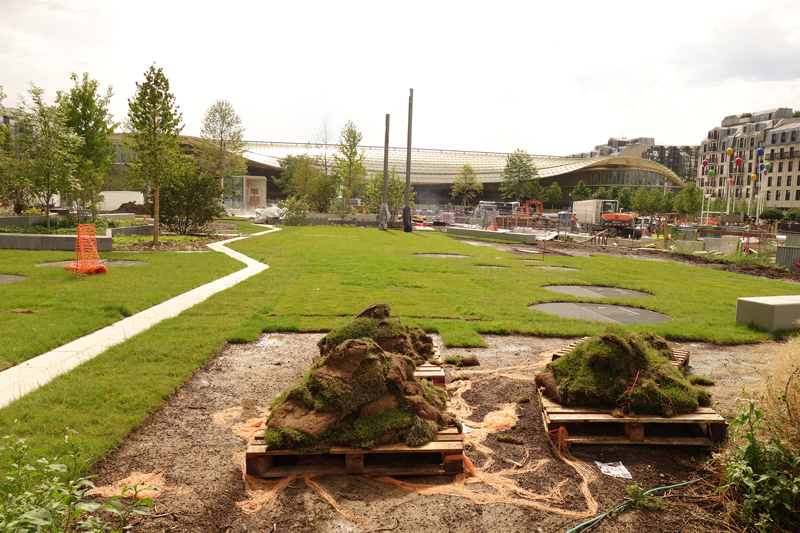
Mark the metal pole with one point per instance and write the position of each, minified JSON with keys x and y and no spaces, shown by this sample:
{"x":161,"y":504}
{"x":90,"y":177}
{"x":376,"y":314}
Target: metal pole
{"x":408,"y":226}
{"x":384,"y":217}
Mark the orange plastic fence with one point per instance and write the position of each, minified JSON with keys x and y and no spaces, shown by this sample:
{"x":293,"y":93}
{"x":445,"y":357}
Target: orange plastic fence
{"x":86,"y":259}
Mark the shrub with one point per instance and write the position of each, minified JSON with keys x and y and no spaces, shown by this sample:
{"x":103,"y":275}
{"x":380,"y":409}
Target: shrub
{"x":295,"y":211}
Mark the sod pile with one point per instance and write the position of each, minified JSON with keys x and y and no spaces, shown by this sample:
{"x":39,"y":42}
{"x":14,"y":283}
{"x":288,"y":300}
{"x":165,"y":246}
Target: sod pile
{"x":361,"y":390}
{"x":627,"y":373}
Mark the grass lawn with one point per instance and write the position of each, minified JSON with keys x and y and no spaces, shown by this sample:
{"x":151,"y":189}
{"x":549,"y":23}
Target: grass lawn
{"x":242,"y":225}
{"x":319,"y":276}
{"x":52,"y":307}
{"x":327,"y":273}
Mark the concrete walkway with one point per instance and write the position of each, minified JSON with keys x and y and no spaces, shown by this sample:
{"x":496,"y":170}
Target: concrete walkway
{"x":33,"y":373}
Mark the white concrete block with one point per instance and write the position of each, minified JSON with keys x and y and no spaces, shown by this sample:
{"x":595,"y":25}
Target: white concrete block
{"x":769,"y":312}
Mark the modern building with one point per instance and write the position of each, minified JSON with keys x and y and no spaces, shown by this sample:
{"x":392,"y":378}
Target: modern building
{"x":433,"y":171}
{"x":682,"y":160}
{"x":774,"y":130}
{"x":615,"y":146}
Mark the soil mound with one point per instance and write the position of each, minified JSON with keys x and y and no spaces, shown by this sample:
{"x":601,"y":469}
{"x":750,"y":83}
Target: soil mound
{"x":626,"y":372}
{"x":129,"y":207}
{"x":361,"y":390}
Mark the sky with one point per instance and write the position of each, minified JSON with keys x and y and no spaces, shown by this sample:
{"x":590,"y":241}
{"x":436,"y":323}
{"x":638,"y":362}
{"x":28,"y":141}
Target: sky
{"x":551,"y":78}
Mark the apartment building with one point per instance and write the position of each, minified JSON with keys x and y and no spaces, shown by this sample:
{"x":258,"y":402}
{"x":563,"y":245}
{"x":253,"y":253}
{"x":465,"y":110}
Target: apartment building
{"x":774,"y":130}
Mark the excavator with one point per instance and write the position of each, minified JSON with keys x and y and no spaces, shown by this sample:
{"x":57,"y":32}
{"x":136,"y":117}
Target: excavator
{"x":526,"y":211}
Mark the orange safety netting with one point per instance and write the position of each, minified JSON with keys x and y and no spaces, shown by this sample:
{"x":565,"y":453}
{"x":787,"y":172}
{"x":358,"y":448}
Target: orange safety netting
{"x":86,"y":259}
{"x":144,"y":482}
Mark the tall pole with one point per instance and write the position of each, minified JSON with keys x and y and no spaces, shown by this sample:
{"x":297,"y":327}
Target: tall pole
{"x":408,"y":226}
{"x":384,"y":216}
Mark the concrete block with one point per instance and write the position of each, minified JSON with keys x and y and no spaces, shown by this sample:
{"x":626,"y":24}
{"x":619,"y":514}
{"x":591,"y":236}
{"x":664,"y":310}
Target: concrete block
{"x":487,"y":234}
{"x":769,"y":312}
{"x":726,"y":245}
{"x":27,"y":241}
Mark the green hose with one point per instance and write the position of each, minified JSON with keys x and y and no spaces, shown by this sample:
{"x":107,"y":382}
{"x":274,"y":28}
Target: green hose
{"x":624,"y":505}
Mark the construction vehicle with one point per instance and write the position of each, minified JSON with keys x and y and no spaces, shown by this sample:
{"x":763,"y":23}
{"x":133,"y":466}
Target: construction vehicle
{"x":622,"y":224}
{"x":537,"y":211}
{"x":600,"y":215}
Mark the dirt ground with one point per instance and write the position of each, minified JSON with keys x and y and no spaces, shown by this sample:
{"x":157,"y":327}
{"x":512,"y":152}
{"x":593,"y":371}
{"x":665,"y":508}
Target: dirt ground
{"x":191,"y":440}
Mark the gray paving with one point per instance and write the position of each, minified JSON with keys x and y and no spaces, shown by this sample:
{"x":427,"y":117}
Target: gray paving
{"x":590,"y":291}
{"x":445,"y":256}
{"x":616,"y":314}
{"x":33,"y":373}
{"x":106,"y":262}
{"x":553,"y":267}
{"x":10,"y":278}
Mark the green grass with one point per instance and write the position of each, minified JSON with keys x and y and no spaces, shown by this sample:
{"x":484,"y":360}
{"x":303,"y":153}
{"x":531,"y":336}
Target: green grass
{"x":64,"y":308}
{"x":243,"y":225}
{"x":327,"y":273}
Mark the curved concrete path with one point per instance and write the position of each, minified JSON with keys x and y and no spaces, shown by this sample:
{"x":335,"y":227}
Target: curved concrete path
{"x":33,"y":373}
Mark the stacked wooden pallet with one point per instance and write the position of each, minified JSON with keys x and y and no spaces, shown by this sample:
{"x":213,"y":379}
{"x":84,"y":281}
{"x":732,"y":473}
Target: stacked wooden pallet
{"x":680,"y":356}
{"x":445,"y":455}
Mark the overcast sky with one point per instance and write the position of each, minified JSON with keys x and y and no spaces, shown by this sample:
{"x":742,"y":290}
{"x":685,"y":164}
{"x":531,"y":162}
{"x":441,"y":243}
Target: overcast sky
{"x":552,"y":78}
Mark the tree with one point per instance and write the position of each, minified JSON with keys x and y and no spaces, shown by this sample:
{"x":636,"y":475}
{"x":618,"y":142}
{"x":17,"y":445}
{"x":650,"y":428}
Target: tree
{"x":553,"y":194}
{"x":689,"y":201}
{"x":223,"y":136}
{"x":600,"y":194}
{"x":614,"y":192}
{"x":771,"y":214}
{"x":717,"y":204}
{"x":667,"y":206}
{"x":395,"y":193}
{"x":155,"y":124}
{"x":793,"y":214}
{"x":641,"y":201}
{"x":47,"y":147}
{"x":520,"y":177}
{"x":188,"y":204}
{"x":88,"y":116}
{"x":466,"y":185}
{"x":626,"y":199}
{"x":348,"y":165}
{"x":656,"y":201}
{"x":581,"y":192}
{"x":303,"y":178}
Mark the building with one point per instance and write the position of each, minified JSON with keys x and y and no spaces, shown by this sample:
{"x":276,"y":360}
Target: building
{"x":774,"y":130}
{"x":615,"y":146}
{"x":433,"y":171}
{"x":682,"y":160}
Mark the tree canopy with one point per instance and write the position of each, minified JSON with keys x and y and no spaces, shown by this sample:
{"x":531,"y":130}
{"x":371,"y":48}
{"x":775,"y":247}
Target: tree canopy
{"x":395,"y":193}
{"x":466,"y":185}
{"x":689,"y":201}
{"x":553,"y":194}
{"x":155,"y":125}
{"x":348,"y":166}
{"x":223,"y":137}
{"x":520,"y":179}
{"x":581,"y":192}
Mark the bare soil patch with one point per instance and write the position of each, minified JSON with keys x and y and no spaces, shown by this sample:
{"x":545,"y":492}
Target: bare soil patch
{"x":191,"y":439}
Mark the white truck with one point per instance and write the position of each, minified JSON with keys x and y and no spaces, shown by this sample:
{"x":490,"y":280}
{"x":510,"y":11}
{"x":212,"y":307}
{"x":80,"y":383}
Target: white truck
{"x":590,"y":212}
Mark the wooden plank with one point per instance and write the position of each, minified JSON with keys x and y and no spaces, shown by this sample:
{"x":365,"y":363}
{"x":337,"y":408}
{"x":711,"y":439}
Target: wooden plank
{"x":646,"y":419}
{"x":661,"y":441}
{"x":354,"y":463}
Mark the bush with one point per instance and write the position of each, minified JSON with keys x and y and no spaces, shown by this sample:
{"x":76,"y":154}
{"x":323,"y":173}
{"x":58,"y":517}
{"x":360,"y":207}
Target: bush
{"x":186,"y":207}
{"x":794,"y":214}
{"x":295,"y":211}
{"x":771,"y":214}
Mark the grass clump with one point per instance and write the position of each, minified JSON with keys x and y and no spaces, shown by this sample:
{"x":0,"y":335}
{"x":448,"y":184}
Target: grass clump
{"x":453,"y":360}
{"x":628,"y":372}
{"x":510,"y":439}
{"x":640,"y":499}
{"x":701,"y":380}
{"x":524,"y":399}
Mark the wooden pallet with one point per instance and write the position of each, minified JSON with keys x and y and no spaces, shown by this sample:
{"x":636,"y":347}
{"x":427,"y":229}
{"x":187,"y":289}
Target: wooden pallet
{"x":586,"y":425}
{"x":430,"y":372}
{"x":680,"y":356}
{"x":445,"y":455}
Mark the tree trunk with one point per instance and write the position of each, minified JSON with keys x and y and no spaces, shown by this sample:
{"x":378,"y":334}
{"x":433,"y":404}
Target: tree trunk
{"x":155,"y":213}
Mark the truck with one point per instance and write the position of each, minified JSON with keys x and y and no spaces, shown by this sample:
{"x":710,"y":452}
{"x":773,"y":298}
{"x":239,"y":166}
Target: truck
{"x":590,"y":212}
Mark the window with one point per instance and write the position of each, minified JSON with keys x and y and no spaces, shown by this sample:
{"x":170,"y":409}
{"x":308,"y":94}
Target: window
{"x":254,"y":191}
{"x":750,"y":167}
{"x":772,"y":154}
{"x":751,"y":152}
{"x":723,"y":157}
{"x":774,"y":138}
{"x":788,"y":195}
{"x":797,"y":194}
{"x":752,"y":140}
{"x":747,"y":193}
{"x":789,"y":167}
{"x":778,"y":182}
{"x":781,"y":153}
{"x":783,"y":137}
{"x":769,"y":195}
{"x":769,"y":181}
{"x":788,"y":181}
{"x":780,"y":167}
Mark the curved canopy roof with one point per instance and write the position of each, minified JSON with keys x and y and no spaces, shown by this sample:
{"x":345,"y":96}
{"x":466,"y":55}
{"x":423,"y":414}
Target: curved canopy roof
{"x":441,"y":166}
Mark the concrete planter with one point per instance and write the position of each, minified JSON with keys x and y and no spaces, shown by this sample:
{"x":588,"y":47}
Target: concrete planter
{"x":29,"y":241}
{"x":23,"y":221}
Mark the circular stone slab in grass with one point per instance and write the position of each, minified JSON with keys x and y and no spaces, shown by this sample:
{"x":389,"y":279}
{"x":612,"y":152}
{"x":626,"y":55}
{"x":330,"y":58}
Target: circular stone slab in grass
{"x":617,"y":314}
{"x":456,"y":256}
{"x":553,"y":267}
{"x":10,"y":278}
{"x":491,"y":266}
{"x":106,"y":262}
{"x":590,"y":291}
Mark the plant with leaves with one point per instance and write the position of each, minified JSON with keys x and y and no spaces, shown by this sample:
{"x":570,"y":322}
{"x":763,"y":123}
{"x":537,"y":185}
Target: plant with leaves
{"x":466,"y":185}
{"x":348,"y":165}
{"x":88,"y":116}
{"x":717,"y":204}
{"x":793,"y":214}
{"x":626,"y":199}
{"x":667,"y":204}
{"x":771,"y":214}
{"x":190,"y":203}
{"x":600,"y":194}
{"x":395,"y":193}
{"x":295,"y":211}
{"x":553,"y":194}
{"x":299,"y":175}
{"x":614,"y":191}
{"x":581,"y":192}
{"x":520,"y":179}
{"x":689,"y":201}
{"x":656,"y":201}
{"x":223,"y":141}
{"x":642,"y":201}
{"x":47,"y":148}
{"x":155,"y":125}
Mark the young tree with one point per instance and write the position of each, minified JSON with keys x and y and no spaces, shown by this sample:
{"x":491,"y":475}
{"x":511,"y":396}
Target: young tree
{"x":520,"y":177}
{"x":188,"y":204}
{"x":466,"y":185}
{"x":323,"y":141}
{"x":553,"y":194}
{"x":299,"y":176}
{"x":668,"y":205}
{"x":614,"y":191}
{"x":656,"y":201}
{"x":155,"y":126}
{"x":88,"y":116}
{"x":717,"y":204}
{"x":772,"y":214}
{"x":626,"y":199}
{"x":223,"y":136}
{"x":641,"y":201}
{"x":689,"y":200}
{"x":348,"y":166}
{"x":47,"y":147}
{"x":600,"y":194}
{"x":395,"y":193}
{"x":581,"y":192}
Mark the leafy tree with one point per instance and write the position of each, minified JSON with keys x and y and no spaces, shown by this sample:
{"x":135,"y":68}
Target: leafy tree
{"x":395,"y":193}
{"x":520,"y":177}
{"x":689,"y":200}
{"x":796,"y":114}
{"x":581,"y":192}
{"x":303,"y":178}
{"x":600,"y":194}
{"x":223,"y":136}
{"x":793,"y":214}
{"x":88,"y":116}
{"x":188,"y":204}
{"x":656,"y":201}
{"x":295,"y":211}
{"x":717,"y":204}
{"x":47,"y":147}
{"x":348,"y":165}
{"x":626,"y":199}
{"x":771,"y":214}
{"x":322,"y":141}
{"x":553,"y":194}
{"x":155,"y":124}
{"x":614,"y":192}
{"x":466,"y":185}
{"x":641,"y":201}
{"x":669,"y":198}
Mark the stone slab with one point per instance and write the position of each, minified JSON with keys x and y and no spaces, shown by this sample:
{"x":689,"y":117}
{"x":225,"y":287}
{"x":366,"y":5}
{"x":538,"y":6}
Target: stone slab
{"x":527,"y":238}
{"x":769,"y":312}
